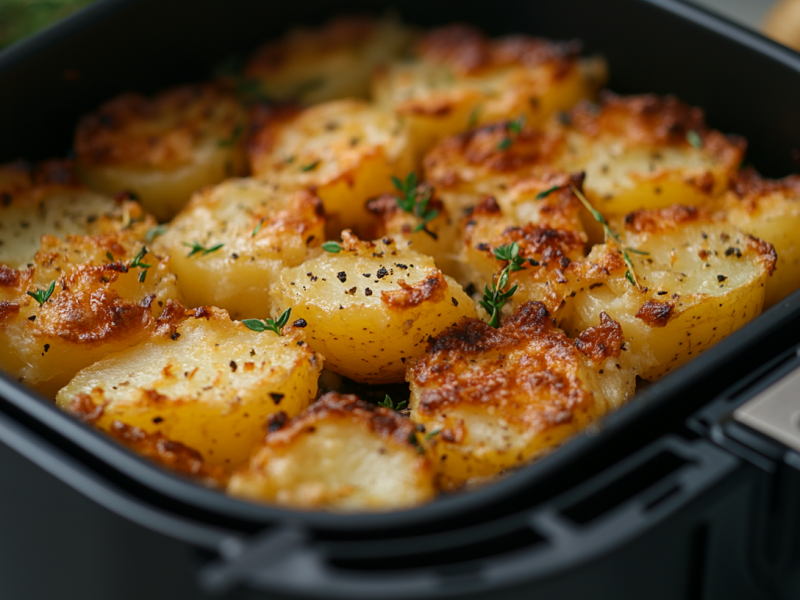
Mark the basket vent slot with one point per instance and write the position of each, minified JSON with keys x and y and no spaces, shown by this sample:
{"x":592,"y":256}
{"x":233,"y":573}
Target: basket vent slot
{"x":624,"y":488}
{"x":442,"y":559}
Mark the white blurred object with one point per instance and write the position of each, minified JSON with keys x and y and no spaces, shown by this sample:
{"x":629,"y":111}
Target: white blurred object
{"x":746,"y":12}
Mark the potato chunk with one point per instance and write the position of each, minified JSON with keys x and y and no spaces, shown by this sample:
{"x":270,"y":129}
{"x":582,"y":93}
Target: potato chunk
{"x":206,"y":382}
{"x":492,"y":399}
{"x":547,"y":250}
{"x":341,"y":454}
{"x":370,"y":306}
{"x":163,"y":148}
{"x":460,"y":78}
{"x":347,"y":150}
{"x":702,"y":280}
{"x":47,"y":199}
{"x":327,"y":63}
{"x":262,"y":229}
{"x":770,"y":210}
{"x":648,"y":152}
{"x":98,"y":294}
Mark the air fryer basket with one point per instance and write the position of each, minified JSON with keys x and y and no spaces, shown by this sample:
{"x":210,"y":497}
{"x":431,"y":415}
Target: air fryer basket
{"x":643,"y":505}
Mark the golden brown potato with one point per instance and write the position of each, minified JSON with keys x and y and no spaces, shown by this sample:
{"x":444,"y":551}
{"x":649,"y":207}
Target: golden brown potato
{"x":204,"y":381}
{"x":701,"y":281}
{"x":769,"y":210}
{"x":257,"y":230}
{"x":547,"y":251}
{"x":647,"y":152}
{"x":80,"y":299}
{"x":341,"y":454}
{"x":461,"y":78}
{"x":47,"y":199}
{"x":492,"y":399}
{"x":370,"y":306}
{"x":347,"y":150}
{"x":327,"y":63}
{"x":163,"y":149}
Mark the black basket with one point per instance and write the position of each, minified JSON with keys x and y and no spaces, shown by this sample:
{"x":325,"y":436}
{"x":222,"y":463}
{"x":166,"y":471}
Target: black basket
{"x":670,"y":497}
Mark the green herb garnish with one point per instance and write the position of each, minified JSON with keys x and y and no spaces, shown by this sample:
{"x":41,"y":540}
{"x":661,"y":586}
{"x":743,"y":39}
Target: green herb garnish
{"x":389,"y":403}
{"x":258,"y":228}
{"x":474,"y":116}
{"x":494,"y":298}
{"x":432,"y":434}
{"x":694,"y":139}
{"x":200,"y":249}
{"x":612,"y":235}
{"x":42,"y":296}
{"x":137,"y":262}
{"x":155,"y":232}
{"x":229,"y":143}
{"x":514,"y":128}
{"x":270,"y":325}
{"x":331,"y":247}
{"x":544,"y":194}
{"x":414,"y":200}
{"x":310,"y":166}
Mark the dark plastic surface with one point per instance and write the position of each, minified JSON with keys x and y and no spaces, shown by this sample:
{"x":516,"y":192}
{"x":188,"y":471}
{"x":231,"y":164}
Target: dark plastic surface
{"x":621,"y":511}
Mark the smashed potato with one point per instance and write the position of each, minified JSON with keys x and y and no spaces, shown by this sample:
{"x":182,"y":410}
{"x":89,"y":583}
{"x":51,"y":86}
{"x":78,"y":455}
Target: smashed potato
{"x":341,"y":454}
{"x":347,"y":150}
{"x":331,"y":62}
{"x":163,"y":149}
{"x":459,"y":78}
{"x":229,"y":245}
{"x":204,"y":381}
{"x":370,"y":306}
{"x":491,"y":399}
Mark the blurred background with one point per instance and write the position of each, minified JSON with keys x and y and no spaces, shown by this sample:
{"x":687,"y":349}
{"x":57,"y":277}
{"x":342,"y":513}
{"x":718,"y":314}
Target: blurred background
{"x":779,"y":19}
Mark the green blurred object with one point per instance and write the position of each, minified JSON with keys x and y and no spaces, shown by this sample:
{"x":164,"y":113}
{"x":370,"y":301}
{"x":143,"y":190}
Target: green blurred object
{"x":21,"y":18}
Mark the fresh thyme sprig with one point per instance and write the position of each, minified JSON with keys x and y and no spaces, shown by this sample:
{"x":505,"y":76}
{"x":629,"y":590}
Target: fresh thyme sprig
{"x":257,"y":228}
{"x":494,"y":298}
{"x":332,"y":247}
{"x":612,"y":235}
{"x":137,"y":262}
{"x":155,"y":232}
{"x":389,"y":403}
{"x":415,"y":199}
{"x":198,"y":248}
{"x":270,"y":325}
{"x":42,"y":296}
{"x":514,"y":128}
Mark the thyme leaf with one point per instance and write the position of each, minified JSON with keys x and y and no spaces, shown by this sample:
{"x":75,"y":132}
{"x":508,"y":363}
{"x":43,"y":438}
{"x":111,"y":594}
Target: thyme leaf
{"x":389,"y":403}
{"x":42,"y":296}
{"x":332,"y":247}
{"x":495,"y":298}
{"x":271,"y":325}
{"x":197,"y":248}
{"x":414,"y":200}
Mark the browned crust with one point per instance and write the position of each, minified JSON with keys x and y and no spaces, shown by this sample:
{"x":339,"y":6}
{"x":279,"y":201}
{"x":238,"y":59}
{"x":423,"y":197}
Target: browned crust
{"x":162,"y":131}
{"x":83,"y":407}
{"x":430,"y":289}
{"x":653,"y":120}
{"x":663,"y":219}
{"x":266,"y":122}
{"x":601,"y":342}
{"x":655,"y":313}
{"x":531,"y":152}
{"x":23,"y":180}
{"x":8,"y":310}
{"x":10,"y":278}
{"x":766,"y":252}
{"x":545,"y":373}
{"x":382,"y":421}
{"x":167,"y":453}
{"x":341,"y":32}
{"x":467,"y":50}
{"x":750,"y":187}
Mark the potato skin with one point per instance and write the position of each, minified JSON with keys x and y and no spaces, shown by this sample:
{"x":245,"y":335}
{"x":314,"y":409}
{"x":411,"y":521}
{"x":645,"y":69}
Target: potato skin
{"x":341,"y":454}
{"x":263,"y":229}
{"x":461,"y":78}
{"x":164,"y":148}
{"x":371,"y":306}
{"x":98,"y":305}
{"x":347,"y":150}
{"x":205,"y":381}
{"x":493,"y":399}
{"x":769,"y":210}
{"x":331,"y":62}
